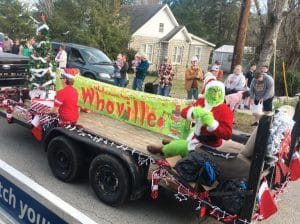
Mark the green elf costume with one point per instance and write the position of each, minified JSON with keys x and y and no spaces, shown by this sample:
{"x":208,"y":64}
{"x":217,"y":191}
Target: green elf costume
{"x":213,"y":123}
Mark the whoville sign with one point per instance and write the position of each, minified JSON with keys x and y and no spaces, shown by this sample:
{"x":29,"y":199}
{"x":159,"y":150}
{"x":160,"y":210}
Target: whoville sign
{"x":152,"y":112}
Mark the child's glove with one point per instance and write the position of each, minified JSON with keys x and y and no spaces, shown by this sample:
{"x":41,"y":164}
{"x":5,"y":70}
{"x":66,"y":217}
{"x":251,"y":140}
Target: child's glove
{"x":198,"y":112}
{"x":208,"y":119}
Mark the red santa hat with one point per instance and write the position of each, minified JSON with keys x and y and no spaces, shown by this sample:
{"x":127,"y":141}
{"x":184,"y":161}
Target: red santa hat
{"x":215,"y":83}
{"x":69,"y":73}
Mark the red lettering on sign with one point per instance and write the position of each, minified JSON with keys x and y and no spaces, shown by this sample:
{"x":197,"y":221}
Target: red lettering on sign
{"x":120,"y":108}
{"x":136,"y":110}
{"x":110,"y":107}
{"x":87,"y":94}
{"x":150,"y":118}
{"x":99,"y":103}
{"x":143,"y":112}
{"x":128,"y":110}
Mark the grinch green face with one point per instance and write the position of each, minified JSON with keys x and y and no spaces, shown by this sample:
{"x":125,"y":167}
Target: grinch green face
{"x":214,"y":96}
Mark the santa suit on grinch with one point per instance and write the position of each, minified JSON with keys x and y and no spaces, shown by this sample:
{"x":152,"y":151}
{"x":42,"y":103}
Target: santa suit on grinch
{"x":221,"y":128}
{"x":213,"y":122}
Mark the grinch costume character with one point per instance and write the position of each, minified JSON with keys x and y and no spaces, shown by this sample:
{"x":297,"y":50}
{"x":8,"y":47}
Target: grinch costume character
{"x":213,"y":123}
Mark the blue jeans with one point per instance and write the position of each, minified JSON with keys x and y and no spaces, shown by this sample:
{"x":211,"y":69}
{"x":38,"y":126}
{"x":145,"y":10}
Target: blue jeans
{"x":193,"y":92}
{"x":164,"y":91}
{"x":120,"y":82}
{"x":137,"y":84}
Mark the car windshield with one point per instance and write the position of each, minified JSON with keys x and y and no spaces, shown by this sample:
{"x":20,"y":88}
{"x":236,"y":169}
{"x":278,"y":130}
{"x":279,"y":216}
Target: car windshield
{"x":95,"y":56}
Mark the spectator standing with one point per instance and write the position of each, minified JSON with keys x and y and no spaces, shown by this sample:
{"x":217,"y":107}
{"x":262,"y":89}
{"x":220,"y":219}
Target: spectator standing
{"x":249,"y":77}
{"x":220,"y":72}
{"x":26,"y":49}
{"x":124,"y":69}
{"x":141,"y":71}
{"x":118,"y":64}
{"x":135,"y":63}
{"x":16,"y":48}
{"x":262,"y":91}
{"x":166,"y":75}
{"x":192,"y":77}
{"x":7,"y":44}
{"x":210,"y":76}
{"x":235,"y":81}
{"x":265,"y":69}
{"x":250,"y":74}
{"x":61,"y":57}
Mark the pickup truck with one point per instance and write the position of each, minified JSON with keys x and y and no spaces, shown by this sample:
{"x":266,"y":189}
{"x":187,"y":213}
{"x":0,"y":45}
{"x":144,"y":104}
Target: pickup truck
{"x":112,"y":142}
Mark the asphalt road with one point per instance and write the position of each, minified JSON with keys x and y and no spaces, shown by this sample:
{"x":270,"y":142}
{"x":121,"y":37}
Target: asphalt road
{"x":19,"y":149}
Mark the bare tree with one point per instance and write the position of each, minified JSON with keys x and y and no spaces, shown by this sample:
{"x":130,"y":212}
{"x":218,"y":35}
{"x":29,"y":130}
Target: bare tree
{"x":277,"y":11}
{"x":289,"y":39}
{"x":47,"y":6}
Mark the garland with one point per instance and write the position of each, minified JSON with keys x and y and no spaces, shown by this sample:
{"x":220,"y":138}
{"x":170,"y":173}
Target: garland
{"x":280,"y":125}
{"x":183,"y":193}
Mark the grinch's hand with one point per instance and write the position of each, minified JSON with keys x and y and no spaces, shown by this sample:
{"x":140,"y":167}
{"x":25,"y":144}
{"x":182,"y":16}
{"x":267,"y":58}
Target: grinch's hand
{"x":198,"y":112}
{"x":208,"y":119}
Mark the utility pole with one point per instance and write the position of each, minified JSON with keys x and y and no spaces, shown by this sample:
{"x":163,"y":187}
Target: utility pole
{"x":241,"y":33}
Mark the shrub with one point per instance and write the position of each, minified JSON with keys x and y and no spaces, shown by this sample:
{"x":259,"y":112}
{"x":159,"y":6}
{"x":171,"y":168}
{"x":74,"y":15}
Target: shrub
{"x":293,"y":83}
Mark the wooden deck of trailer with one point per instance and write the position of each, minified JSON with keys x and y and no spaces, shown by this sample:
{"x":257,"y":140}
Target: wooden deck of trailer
{"x":119,"y":131}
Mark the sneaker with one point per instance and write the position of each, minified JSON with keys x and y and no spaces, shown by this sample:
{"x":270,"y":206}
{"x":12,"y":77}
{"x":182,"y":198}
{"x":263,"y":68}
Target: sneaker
{"x":254,"y":124}
{"x":246,"y":107}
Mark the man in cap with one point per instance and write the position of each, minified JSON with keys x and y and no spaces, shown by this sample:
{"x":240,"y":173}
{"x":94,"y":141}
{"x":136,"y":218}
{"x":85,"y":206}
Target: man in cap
{"x":210,"y":76}
{"x":141,"y":71}
{"x":192,"y":77}
{"x":66,"y":100}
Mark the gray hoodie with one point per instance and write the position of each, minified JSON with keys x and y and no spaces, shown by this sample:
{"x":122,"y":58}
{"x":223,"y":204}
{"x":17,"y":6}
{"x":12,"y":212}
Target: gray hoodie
{"x":262,"y":89}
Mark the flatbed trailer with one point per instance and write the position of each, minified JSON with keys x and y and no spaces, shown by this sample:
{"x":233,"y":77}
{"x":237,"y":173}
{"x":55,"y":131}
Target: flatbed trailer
{"x":118,"y":162}
{"x":115,"y":154}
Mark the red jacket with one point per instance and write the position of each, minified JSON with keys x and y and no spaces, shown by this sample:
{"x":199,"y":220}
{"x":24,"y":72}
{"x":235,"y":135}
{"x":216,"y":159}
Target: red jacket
{"x":222,"y":128}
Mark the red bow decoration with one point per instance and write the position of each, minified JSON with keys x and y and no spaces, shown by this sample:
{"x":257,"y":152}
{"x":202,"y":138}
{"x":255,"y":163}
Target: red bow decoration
{"x":295,"y":167}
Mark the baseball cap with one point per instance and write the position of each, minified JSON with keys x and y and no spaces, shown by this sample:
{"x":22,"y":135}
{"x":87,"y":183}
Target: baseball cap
{"x":194,"y":58}
{"x":214,"y":68}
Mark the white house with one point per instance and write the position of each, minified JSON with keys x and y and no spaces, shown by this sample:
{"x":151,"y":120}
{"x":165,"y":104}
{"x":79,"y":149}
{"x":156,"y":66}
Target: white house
{"x":156,"y":32}
{"x":224,"y":55}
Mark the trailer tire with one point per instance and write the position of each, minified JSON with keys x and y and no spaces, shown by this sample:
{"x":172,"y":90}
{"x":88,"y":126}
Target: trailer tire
{"x":109,"y":179}
{"x":65,"y":159}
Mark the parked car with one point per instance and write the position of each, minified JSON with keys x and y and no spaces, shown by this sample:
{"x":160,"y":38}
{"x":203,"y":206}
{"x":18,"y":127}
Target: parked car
{"x":91,"y":62}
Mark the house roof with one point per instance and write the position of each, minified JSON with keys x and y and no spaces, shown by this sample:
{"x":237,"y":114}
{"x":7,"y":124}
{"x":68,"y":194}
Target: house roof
{"x":201,"y":40}
{"x":230,"y":48}
{"x":172,"y":33}
{"x":140,"y":14}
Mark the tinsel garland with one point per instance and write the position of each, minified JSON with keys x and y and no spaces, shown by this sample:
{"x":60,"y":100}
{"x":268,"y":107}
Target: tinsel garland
{"x":280,"y":125}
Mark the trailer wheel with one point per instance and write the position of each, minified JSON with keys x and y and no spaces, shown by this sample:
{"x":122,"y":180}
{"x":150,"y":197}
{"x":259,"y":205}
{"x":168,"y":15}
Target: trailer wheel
{"x":64,"y":158}
{"x":109,"y":179}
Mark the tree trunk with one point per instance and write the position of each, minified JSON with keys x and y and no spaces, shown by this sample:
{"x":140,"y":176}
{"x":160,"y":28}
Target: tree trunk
{"x":277,"y":10}
{"x":241,"y":34}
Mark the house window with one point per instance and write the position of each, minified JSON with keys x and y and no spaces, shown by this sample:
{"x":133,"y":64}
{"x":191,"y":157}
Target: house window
{"x":198,"y":52}
{"x":177,"y":56}
{"x":148,"y":50}
{"x":161,"y":28}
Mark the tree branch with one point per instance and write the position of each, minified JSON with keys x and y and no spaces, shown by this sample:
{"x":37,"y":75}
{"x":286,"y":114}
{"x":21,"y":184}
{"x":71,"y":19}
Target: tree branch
{"x":258,"y":9}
